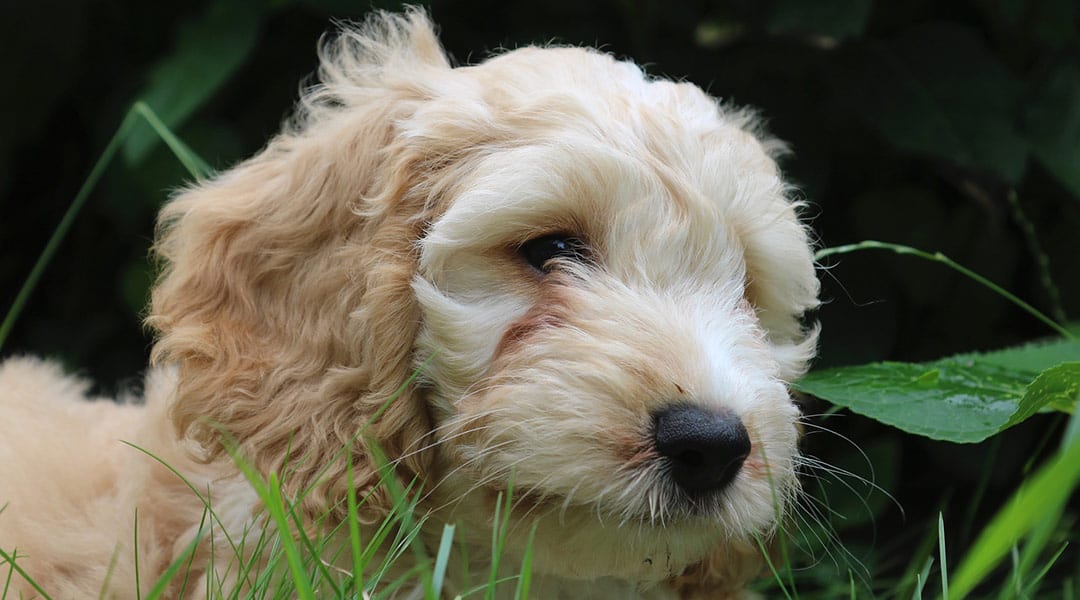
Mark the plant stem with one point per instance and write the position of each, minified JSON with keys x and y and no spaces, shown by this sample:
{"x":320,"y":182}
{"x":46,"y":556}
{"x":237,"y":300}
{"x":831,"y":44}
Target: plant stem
{"x":1042,"y":261}
{"x":945,"y":260}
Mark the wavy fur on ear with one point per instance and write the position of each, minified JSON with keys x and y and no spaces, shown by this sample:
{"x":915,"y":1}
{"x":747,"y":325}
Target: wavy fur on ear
{"x":285,"y":293}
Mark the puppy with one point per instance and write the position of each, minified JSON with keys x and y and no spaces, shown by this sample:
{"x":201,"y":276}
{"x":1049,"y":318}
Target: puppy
{"x":546,"y":277}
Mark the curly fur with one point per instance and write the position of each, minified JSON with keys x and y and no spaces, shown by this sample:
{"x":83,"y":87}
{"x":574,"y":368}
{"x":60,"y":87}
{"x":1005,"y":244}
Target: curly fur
{"x":376,"y":238}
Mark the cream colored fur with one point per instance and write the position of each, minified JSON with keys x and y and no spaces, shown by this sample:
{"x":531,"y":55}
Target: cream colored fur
{"x":378,"y":236}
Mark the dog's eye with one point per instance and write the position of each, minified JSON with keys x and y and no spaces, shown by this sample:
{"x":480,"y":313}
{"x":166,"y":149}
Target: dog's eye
{"x":539,"y":252}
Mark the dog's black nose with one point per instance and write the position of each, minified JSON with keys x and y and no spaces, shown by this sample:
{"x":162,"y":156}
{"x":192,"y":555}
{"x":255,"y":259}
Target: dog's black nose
{"x":704,"y":449}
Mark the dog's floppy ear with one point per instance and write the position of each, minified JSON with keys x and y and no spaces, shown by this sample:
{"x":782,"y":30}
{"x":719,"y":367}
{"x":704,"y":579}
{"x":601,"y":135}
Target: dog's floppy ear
{"x":285,"y":296}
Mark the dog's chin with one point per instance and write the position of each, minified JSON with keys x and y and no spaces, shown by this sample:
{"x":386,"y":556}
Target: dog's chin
{"x":582,"y":542}
{"x":649,"y":537}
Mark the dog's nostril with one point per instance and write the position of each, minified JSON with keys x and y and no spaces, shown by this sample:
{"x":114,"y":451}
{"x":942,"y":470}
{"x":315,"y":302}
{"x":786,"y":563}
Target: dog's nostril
{"x":704,"y":449}
{"x":690,"y":458}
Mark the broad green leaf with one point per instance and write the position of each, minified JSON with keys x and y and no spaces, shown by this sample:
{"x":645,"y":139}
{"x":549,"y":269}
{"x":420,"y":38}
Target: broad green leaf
{"x":1033,"y":357}
{"x":207,"y":52}
{"x":937,"y":91}
{"x":944,"y":402}
{"x":1056,"y":388}
{"x":965,"y":398}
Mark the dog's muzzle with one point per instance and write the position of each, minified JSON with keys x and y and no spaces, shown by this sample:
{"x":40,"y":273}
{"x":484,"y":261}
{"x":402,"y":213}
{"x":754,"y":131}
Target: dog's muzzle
{"x":703,"y":449}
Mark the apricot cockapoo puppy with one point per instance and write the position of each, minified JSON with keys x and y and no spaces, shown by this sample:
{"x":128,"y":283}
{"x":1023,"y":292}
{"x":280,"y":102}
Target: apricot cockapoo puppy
{"x":547,"y":275}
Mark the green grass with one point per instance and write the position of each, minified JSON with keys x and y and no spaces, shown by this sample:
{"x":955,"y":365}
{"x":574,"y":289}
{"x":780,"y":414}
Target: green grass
{"x":281,"y":557}
{"x":285,"y":560}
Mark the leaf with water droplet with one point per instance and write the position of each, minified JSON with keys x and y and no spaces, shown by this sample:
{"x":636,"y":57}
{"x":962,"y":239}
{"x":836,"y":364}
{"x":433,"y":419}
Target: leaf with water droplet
{"x":964,"y":398}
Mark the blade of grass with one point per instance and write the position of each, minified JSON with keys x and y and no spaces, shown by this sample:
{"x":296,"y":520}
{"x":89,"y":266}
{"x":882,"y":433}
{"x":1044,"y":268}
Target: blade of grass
{"x":1015,"y":579}
{"x":7,"y":580}
{"x":489,"y":592}
{"x":406,"y":539}
{"x":442,"y":559}
{"x":264,"y":546}
{"x":109,"y":573}
{"x":398,"y":523}
{"x":313,"y":547}
{"x":195,"y":166}
{"x":483,"y":587}
{"x":390,"y":590}
{"x":782,"y":536}
{"x":1032,"y":587}
{"x":346,"y":448}
{"x":270,"y":493}
{"x":503,"y":505}
{"x":317,"y":565}
{"x":405,"y":508}
{"x":945,"y":260}
{"x":191,"y":554}
{"x":465,"y":576}
{"x":525,"y":578}
{"x":135,"y":533}
{"x":353,"y":517}
{"x":987,"y":470}
{"x":271,"y":560}
{"x":10,"y":558}
{"x":1034,"y":545}
{"x":378,"y":538}
{"x":61,"y":230}
{"x":772,"y":568}
{"x":944,"y":561}
{"x":174,"y":567}
{"x":1041,"y":494}
{"x":1072,"y":430}
{"x":205,"y":499}
{"x":921,"y":579}
{"x":919,"y":558}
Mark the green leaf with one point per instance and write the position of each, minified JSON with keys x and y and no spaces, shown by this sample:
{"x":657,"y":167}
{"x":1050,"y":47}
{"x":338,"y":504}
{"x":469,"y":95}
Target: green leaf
{"x":1056,"y":388}
{"x":1033,"y":357}
{"x":207,"y":53}
{"x":937,"y":91}
{"x":898,"y":394}
{"x":966,"y":398}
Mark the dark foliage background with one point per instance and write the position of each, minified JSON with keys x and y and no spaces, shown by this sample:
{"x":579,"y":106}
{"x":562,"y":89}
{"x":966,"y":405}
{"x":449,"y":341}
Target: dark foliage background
{"x":951,"y":126}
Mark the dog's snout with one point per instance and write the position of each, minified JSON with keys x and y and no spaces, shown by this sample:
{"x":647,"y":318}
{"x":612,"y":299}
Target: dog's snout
{"x":704,"y":449}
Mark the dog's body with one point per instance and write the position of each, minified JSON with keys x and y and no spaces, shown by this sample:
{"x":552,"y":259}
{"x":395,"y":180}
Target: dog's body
{"x":597,"y":278}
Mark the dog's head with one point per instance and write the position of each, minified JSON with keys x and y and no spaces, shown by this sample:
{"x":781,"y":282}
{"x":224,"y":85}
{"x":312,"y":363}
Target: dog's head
{"x":596,"y":278}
